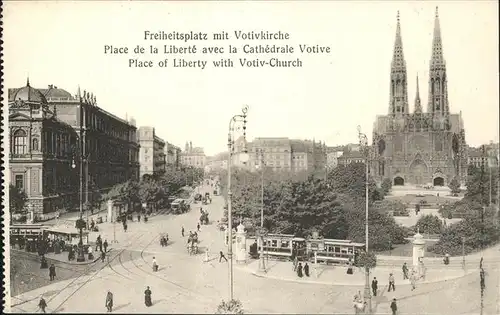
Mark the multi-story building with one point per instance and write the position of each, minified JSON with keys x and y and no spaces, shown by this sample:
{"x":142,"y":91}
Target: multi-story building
{"x":351,"y":157}
{"x":420,"y":147}
{"x":152,"y":157}
{"x":282,"y":154}
{"x":488,"y":156}
{"x":332,"y":156}
{"x":194,"y":157}
{"x":217,"y":162}
{"x":52,"y":133}
{"x":172,"y":153}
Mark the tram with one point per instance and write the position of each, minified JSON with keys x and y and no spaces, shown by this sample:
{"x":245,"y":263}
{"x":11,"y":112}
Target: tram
{"x":329,"y":251}
{"x":284,"y":246}
{"x":28,"y":232}
{"x":334,"y":251}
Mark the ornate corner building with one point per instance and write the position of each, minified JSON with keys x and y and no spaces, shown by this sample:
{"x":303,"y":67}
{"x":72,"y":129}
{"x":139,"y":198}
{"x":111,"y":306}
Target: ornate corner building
{"x":62,"y":145}
{"x":421,"y":147}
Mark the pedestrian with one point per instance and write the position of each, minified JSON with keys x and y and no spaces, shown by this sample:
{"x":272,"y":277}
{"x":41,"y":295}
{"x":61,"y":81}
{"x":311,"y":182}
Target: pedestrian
{"x":109,"y":301}
{"x":138,"y":217}
{"x":198,"y":227}
{"x":221,"y":255}
{"x":394,"y":306}
{"x":43,"y":263}
{"x":374,"y":286}
{"x":295,"y":263}
{"x":182,"y":231}
{"x":391,"y":283}
{"x":155,"y":265}
{"x":125,"y":226}
{"x":299,"y":270}
{"x":103,"y":256}
{"x":91,"y":255}
{"x":105,"y":245}
{"x":413,"y":279}
{"x":52,"y":272}
{"x":405,"y":271}
{"x":147,"y":297}
{"x":42,"y":304}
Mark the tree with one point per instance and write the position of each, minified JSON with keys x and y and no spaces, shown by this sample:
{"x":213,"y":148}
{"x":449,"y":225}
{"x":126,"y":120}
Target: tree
{"x":386,"y":185}
{"x":454,"y":185}
{"x":231,"y":307}
{"x":430,"y":224}
{"x":476,"y":233}
{"x":17,"y":199}
{"x":367,"y":260}
{"x":126,"y":193}
{"x":351,"y":179}
{"x":478,"y":184}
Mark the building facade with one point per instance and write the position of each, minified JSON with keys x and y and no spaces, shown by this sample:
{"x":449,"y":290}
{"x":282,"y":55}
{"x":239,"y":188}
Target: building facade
{"x":194,"y":157}
{"x":332,"y":156}
{"x":173,"y":154}
{"x":281,"y":154}
{"x":52,"y":133}
{"x":217,"y":162}
{"x":152,"y":157}
{"x":351,"y":157}
{"x":487,"y":157}
{"x":420,"y":147}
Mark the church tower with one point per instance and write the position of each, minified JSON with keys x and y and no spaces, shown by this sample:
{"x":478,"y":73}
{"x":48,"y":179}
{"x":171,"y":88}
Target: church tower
{"x":418,"y":104}
{"x":399,"y":88}
{"x":438,"y":84}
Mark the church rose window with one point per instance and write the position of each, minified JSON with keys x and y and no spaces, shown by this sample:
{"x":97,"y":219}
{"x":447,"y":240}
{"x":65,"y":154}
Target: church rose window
{"x":20,"y":142}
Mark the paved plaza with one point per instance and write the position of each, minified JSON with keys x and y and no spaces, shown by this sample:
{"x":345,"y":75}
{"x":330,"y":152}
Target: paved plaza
{"x":187,"y":284}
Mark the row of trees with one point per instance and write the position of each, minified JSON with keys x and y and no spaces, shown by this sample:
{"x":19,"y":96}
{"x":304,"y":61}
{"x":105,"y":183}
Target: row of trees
{"x":480,"y":225}
{"x":154,"y":190}
{"x":300,"y":204}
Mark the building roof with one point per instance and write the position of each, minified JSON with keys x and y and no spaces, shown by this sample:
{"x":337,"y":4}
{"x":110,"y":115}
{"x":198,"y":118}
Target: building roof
{"x":53,"y":92}
{"x":27,"y":94}
{"x":351,"y":155}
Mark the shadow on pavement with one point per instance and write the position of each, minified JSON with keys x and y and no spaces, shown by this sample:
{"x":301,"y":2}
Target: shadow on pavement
{"x":121,"y":306}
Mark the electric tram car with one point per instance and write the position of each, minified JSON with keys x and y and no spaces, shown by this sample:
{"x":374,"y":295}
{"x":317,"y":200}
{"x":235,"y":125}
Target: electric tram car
{"x":329,"y":251}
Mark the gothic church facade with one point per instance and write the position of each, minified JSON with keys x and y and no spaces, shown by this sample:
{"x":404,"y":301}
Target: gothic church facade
{"x":419,"y":148}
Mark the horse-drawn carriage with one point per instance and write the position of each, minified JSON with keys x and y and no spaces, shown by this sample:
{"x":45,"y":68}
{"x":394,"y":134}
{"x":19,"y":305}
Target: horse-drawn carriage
{"x":192,"y":244}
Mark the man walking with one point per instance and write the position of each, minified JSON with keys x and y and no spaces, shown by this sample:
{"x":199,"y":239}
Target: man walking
{"x":394,"y":307}
{"x":374,"y":286}
{"x":109,"y":301}
{"x":42,"y":304}
{"x":198,"y":227}
{"x":52,"y":272}
{"x":222,"y":256}
{"x":391,"y":283}
{"x":182,"y":231}
{"x":105,"y":245}
{"x":405,"y":271}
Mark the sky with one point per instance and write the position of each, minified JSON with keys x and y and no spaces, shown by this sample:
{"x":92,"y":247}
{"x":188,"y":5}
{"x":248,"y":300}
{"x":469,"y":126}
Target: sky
{"x":62,"y":43}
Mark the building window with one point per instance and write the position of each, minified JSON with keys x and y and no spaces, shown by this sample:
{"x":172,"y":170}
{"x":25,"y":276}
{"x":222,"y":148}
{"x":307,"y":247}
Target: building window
{"x":20,"y":182}
{"x":20,"y":140}
{"x":34,"y":145}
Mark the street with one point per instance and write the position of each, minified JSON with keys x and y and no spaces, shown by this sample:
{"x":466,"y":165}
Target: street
{"x":187,"y":284}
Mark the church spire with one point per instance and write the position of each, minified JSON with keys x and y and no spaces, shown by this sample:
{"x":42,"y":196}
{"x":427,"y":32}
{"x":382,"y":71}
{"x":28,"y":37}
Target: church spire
{"x":418,"y":105}
{"x":438,"y":83}
{"x":399,"y":92}
{"x":437,"y":58}
{"x":28,"y":81}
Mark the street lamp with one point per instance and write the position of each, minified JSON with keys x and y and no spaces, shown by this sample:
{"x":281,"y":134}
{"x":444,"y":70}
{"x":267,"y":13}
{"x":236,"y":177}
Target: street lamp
{"x":363,"y":142}
{"x":262,"y":265}
{"x":241,"y":118}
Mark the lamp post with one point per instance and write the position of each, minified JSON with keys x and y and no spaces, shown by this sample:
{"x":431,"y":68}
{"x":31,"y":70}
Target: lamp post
{"x":363,"y":142}
{"x":240,"y":118}
{"x":262,"y":265}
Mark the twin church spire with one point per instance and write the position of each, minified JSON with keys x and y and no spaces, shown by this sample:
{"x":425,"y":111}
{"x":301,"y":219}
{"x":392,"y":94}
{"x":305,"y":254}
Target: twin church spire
{"x":438,"y":94}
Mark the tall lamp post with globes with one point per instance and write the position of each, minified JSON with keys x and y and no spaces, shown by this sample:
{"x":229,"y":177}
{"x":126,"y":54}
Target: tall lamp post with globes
{"x":236,"y":119}
{"x":261,"y":165}
{"x":363,"y":142}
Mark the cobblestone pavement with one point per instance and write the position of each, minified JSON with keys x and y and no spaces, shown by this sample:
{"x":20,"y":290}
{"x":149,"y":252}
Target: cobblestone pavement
{"x":187,"y":284}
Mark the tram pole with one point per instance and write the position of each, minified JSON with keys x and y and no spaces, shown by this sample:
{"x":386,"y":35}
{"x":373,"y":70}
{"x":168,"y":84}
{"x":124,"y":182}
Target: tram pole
{"x":363,"y":140}
{"x":262,"y":265}
{"x":230,"y":145}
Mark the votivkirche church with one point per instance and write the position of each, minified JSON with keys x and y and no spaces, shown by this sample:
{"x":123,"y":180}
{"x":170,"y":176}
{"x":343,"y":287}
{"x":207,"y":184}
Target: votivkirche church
{"x":419,"y":148}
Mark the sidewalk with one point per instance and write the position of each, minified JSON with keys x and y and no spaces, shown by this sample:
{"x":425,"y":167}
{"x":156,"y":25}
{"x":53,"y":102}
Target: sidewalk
{"x":337,"y":276}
